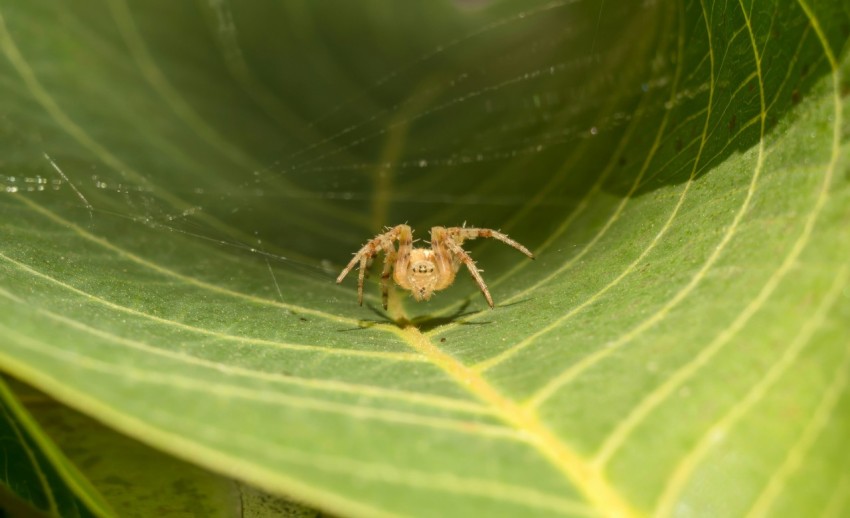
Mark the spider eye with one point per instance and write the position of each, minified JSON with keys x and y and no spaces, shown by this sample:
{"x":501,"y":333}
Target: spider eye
{"x":423,"y":267}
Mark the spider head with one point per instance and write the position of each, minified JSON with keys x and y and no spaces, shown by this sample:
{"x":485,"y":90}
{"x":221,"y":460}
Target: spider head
{"x":422,"y":274}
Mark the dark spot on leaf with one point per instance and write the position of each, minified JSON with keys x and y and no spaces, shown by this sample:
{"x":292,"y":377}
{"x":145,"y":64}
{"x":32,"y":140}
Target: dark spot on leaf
{"x":733,"y":123}
{"x":795,"y":97}
{"x":443,"y":340}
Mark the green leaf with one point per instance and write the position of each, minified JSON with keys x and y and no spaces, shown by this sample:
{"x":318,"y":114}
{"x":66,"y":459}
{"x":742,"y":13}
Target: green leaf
{"x":184,"y":181}
{"x":135,"y":479}
{"x":36,"y":471}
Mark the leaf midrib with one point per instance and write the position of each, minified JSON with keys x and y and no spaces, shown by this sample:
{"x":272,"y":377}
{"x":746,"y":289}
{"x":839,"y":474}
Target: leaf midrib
{"x":578,"y":470}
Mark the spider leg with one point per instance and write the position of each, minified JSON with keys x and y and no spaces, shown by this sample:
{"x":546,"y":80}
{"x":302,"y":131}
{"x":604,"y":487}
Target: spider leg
{"x":402,"y":259}
{"x":364,"y":259}
{"x":464,"y":257}
{"x":459,"y":234}
{"x":389,"y":260}
{"x":380,"y":243}
{"x":354,"y":260}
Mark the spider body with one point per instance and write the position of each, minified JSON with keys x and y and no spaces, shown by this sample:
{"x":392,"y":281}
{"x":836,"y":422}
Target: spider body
{"x":422,"y":278}
{"x":423,"y":271}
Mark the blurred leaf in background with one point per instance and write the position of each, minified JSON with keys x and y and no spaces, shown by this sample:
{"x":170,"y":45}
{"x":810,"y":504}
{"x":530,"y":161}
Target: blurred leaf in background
{"x":181,"y":182}
{"x":36,"y":472}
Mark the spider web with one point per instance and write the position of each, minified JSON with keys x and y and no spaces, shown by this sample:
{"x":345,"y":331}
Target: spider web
{"x":410,"y":137}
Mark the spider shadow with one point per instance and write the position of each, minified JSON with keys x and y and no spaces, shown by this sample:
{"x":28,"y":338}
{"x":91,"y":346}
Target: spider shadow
{"x":425,"y":322}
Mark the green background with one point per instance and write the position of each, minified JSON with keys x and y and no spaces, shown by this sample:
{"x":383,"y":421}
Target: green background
{"x":181,"y":182}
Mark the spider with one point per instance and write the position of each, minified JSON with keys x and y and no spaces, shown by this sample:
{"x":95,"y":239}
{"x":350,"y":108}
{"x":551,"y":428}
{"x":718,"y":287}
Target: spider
{"x":422,"y":270}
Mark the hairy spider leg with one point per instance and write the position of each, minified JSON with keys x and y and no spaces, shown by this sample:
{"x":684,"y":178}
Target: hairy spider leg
{"x":460,"y":234}
{"x":443,"y":257}
{"x":361,"y":274}
{"x":451,"y":239}
{"x":389,"y":260}
{"x":463,"y":257}
{"x":380,"y":243}
{"x":404,"y":234}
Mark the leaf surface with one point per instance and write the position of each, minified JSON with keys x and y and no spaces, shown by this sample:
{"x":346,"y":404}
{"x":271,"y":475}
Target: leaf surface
{"x":184,"y":181}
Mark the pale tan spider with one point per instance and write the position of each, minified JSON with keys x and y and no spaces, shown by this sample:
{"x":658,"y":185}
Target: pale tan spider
{"x":421,"y":270}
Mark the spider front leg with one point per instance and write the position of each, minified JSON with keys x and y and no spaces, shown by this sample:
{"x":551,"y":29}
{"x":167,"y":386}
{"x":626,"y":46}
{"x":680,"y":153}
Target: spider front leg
{"x":461,"y":255}
{"x":380,"y":243}
{"x":368,"y":251}
{"x":449,"y":240}
{"x":460,"y":234}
